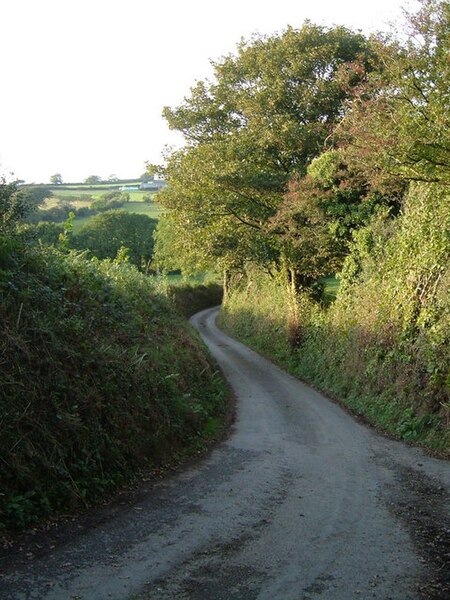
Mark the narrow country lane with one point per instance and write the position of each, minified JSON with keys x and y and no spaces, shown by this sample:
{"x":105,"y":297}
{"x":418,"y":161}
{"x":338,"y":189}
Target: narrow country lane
{"x":301,"y":502}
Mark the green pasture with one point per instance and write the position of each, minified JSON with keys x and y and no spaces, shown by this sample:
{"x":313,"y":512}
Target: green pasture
{"x":95,"y":186}
{"x":95,"y":193}
{"x":81,"y":196}
{"x":141,"y":208}
{"x":330,"y":288}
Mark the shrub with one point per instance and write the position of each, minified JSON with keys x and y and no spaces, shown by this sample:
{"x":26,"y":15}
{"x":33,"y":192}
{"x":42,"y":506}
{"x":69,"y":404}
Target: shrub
{"x":109,"y":201}
{"x":56,"y":214}
{"x":105,"y":234}
{"x":46,"y":233}
{"x":383,"y":347}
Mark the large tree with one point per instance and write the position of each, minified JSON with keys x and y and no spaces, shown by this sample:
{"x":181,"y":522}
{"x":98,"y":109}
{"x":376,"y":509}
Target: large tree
{"x":262,"y":119}
{"x":106,"y":233}
{"x":396,"y":130}
{"x":93,"y":179}
{"x":56,"y":179}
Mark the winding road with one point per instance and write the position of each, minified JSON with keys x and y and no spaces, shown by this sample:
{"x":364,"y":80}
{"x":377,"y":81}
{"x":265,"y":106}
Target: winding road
{"x":301,"y":502}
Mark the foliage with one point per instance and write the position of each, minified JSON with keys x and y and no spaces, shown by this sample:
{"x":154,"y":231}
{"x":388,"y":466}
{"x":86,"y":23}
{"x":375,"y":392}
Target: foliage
{"x":146,"y":177}
{"x":264,"y":117}
{"x":56,"y":179}
{"x":255,"y":312}
{"x":63,"y":196}
{"x":409,"y":265}
{"x":34,"y":196}
{"x":12,"y":207}
{"x":106,"y":233}
{"x":93,"y":179}
{"x":399,"y":125}
{"x":364,"y":249}
{"x":56,"y":214}
{"x":18,"y":203}
{"x":323,"y":213}
{"x":222,"y":247}
{"x":45,"y":233}
{"x":190,"y":299}
{"x":100,"y":378}
{"x":389,"y":363}
{"x":60,"y":211}
{"x":380,"y":194}
{"x":310,"y":241}
{"x":111,"y":200}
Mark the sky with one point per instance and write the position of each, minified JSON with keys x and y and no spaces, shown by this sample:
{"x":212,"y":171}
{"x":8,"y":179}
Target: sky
{"x":85,"y":81}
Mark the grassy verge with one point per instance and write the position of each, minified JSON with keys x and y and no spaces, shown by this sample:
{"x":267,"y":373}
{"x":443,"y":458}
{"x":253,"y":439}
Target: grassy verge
{"x":392,"y":386}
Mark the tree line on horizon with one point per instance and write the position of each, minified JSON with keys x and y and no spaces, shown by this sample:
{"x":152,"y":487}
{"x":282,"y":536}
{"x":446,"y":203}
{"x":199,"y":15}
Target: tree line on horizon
{"x":57,"y":179}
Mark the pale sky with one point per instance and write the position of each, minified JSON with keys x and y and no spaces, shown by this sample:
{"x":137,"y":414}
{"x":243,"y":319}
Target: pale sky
{"x":85,"y":81}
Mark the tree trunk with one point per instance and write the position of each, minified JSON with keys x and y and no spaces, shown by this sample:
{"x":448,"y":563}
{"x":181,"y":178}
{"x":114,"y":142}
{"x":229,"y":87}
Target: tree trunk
{"x":226,"y":285}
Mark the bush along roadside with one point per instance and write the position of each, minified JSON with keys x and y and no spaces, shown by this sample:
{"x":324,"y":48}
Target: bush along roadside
{"x":100,"y":379}
{"x":383,"y":347}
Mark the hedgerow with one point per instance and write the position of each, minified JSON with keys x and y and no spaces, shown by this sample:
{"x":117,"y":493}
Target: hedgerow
{"x":100,"y":378}
{"x":383,"y":347}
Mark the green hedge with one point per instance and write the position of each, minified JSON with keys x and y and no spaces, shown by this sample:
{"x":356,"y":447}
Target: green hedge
{"x":100,"y":378}
{"x":383,"y":347}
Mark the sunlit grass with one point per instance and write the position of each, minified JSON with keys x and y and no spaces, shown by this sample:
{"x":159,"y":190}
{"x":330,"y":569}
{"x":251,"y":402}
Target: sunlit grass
{"x":96,"y":193}
{"x":330,"y":288}
{"x":141,"y":208}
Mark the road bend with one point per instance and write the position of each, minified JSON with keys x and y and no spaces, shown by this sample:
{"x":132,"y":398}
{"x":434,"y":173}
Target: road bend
{"x":301,"y":502}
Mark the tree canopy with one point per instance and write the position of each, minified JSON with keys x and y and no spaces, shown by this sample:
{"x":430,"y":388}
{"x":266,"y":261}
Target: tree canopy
{"x":106,"y":233}
{"x":261,"y":121}
{"x":302,"y":138}
{"x":56,"y":179}
{"x":93,"y":179}
{"x":399,"y":125}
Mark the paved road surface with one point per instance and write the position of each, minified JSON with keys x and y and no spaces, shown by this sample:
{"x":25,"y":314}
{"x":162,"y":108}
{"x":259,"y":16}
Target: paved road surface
{"x":301,"y":502}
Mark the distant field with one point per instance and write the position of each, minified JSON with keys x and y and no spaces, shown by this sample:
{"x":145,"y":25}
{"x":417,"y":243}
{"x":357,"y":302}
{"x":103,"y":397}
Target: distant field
{"x":81,"y":196}
{"x":330,"y":288}
{"x":54,"y":201}
{"x":142,"y":208}
{"x":100,"y":186}
{"x":95,"y":193}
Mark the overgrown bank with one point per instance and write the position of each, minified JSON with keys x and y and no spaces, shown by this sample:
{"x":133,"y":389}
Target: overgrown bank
{"x":383,"y":348}
{"x":100,"y":378}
